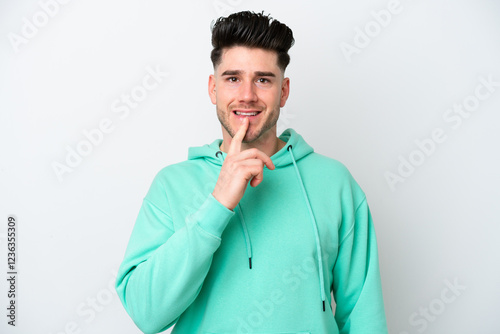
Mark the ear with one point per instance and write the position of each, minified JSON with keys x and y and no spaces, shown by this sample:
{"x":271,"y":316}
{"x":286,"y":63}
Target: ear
{"x":211,"y":89}
{"x":285,"y":90}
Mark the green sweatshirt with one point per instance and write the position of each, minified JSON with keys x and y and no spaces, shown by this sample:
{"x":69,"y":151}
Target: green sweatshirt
{"x":269,"y":266}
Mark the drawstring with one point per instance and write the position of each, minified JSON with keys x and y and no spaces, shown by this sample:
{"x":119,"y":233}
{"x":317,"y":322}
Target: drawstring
{"x":247,"y":237}
{"x":242,"y":221}
{"x":313,"y":221}
{"x":316,"y":234}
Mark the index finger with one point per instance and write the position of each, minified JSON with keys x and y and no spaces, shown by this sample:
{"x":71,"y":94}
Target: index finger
{"x":235,"y":146}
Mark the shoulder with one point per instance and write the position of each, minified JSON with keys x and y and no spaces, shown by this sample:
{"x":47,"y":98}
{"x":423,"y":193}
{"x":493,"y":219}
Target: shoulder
{"x":177,"y":169}
{"x":320,"y":163}
{"x":175,"y":174}
{"x":332,"y":174}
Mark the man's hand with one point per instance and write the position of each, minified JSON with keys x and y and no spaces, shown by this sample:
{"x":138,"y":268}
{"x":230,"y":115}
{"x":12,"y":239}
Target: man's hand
{"x":238,"y":168}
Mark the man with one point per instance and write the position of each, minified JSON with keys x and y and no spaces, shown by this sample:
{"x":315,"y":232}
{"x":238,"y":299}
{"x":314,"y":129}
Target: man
{"x":258,"y":259}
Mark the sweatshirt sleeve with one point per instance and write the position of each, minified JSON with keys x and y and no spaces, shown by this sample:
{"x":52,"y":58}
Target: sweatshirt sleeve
{"x":357,"y":287}
{"x":163,"y":269}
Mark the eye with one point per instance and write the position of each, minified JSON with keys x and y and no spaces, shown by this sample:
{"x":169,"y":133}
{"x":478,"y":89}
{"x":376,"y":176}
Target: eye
{"x":263,"y":80}
{"x":232,"y":79}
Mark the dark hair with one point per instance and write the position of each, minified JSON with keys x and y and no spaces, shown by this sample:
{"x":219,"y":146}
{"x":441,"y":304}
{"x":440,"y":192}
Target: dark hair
{"x":253,"y":30}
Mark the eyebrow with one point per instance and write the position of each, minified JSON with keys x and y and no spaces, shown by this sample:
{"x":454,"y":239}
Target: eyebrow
{"x":257,"y":73}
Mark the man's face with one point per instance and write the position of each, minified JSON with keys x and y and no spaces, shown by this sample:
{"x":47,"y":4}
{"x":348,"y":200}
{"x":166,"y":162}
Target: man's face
{"x":248,"y":80}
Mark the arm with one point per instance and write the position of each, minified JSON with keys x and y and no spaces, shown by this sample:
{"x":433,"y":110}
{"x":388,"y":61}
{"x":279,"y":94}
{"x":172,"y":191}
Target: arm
{"x":163,"y":269}
{"x":357,"y":288}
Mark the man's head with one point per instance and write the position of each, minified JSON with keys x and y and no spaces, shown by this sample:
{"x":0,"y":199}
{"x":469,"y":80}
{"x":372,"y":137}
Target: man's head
{"x":250,"y":56}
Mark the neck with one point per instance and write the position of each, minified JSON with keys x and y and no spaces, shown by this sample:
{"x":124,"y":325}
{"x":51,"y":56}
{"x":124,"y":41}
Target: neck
{"x":269,"y":147}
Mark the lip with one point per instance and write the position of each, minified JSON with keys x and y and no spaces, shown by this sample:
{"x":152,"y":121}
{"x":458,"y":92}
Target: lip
{"x":246,"y":111}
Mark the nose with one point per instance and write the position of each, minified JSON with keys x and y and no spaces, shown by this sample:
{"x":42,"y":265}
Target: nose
{"x":248,"y":92}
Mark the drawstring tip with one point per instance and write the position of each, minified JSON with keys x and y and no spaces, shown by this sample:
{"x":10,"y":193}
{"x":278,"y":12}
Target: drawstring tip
{"x":323,"y":306}
{"x":250,"y":262}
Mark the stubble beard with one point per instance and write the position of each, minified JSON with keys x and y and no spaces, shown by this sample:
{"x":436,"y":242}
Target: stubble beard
{"x":271,"y":121}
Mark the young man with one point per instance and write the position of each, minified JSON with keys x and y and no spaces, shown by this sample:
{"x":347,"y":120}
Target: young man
{"x":211,"y":254}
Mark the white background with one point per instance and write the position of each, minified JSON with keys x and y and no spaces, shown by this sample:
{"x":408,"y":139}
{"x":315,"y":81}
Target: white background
{"x":367,"y":109}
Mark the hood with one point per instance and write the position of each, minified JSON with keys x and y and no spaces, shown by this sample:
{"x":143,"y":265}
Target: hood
{"x":280,"y":159}
{"x":295,"y":149}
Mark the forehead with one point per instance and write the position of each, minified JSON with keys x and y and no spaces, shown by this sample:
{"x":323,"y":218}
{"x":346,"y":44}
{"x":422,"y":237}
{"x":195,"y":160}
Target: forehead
{"x":248,"y":60}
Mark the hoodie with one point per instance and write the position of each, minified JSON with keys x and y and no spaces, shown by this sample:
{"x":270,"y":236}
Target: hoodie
{"x":270,"y":265}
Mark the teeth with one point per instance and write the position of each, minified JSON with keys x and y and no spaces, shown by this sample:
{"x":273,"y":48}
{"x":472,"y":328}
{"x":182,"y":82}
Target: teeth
{"x":246,"y":113}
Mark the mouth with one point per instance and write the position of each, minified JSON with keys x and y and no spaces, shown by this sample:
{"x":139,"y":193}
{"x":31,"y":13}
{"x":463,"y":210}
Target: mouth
{"x":246,"y":113}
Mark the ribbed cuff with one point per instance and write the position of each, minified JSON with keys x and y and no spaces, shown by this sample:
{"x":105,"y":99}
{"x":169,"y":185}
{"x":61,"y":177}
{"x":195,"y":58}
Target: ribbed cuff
{"x":213,"y":216}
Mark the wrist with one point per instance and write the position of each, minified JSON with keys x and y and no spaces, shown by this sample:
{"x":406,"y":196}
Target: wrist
{"x":221,"y":200}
